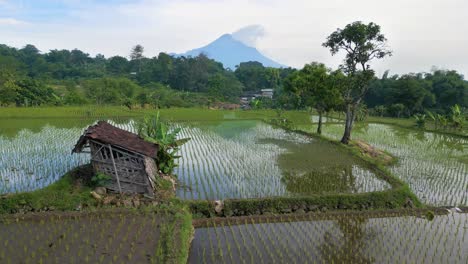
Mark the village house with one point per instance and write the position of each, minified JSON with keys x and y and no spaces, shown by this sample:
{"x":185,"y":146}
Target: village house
{"x":249,"y":96}
{"x":267,"y":93}
{"x":122,"y":155}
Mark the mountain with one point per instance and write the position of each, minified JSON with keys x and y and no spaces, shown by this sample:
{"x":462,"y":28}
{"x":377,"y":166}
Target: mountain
{"x":232,"y":52}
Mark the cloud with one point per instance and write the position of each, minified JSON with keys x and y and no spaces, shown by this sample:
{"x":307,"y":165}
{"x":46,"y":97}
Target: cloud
{"x":8,"y":21}
{"x":249,"y":34}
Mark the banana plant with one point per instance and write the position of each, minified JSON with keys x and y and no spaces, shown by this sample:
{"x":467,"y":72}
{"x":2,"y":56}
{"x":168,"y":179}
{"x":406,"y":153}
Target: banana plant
{"x":433,"y":118}
{"x":442,"y":120}
{"x":456,"y":117}
{"x":420,"y":120}
{"x":152,"y":129}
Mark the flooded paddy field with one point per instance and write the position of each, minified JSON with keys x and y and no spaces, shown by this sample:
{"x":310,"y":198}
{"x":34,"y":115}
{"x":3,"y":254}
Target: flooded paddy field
{"x":104,"y":237}
{"x":435,"y":166}
{"x":386,"y":237}
{"x":229,"y":159}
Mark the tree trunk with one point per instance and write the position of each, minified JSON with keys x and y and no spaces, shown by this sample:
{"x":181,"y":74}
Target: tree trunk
{"x":319,"y":127}
{"x":348,"y":124}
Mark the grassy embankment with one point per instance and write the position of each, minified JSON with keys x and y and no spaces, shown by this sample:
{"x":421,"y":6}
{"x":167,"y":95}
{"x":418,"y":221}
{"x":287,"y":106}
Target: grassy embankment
{"x":175,"y":114}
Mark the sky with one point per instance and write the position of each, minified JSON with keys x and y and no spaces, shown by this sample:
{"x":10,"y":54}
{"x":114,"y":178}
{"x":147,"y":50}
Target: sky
{"x":422,"y":34}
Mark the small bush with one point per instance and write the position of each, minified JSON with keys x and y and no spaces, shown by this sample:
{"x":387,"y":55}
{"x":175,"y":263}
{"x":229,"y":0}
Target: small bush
{"x":100,"y":180}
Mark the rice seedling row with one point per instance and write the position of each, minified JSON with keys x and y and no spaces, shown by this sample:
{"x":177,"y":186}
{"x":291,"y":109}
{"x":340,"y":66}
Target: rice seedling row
{"x":246,"y":166}
{"x":388,"y":237}
{"x":435,"y":166}
{"x":93,"y":238}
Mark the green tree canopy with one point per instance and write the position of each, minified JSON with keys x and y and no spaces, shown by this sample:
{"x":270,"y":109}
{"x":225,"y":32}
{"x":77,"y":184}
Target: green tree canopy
{"x":361,"y":43}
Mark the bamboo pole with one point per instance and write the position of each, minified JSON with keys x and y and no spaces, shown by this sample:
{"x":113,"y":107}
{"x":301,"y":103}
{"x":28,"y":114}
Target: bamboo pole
{"x":115,"y":169}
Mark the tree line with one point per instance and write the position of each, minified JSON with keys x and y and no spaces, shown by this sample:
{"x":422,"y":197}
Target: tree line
{"x":63,"y":77}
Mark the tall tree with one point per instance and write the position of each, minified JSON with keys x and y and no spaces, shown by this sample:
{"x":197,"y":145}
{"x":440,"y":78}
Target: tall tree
{"x":8,"y":88}
{"x":137,"y":52}
{"x":317,"y":87}
{"x":137,"y":55}
{"x":362,"y":43}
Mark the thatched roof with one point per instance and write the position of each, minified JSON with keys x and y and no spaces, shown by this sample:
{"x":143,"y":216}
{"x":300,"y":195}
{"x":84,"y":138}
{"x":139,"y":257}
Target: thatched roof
{"x":106,"y":133}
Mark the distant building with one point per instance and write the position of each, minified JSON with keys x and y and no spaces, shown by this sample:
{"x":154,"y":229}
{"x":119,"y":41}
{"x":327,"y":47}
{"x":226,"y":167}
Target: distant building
{"x":267,"y":93}
{"x":248,"y":97}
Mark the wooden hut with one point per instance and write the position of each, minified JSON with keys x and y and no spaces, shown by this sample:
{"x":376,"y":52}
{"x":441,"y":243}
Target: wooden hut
{"x":122,"y":155}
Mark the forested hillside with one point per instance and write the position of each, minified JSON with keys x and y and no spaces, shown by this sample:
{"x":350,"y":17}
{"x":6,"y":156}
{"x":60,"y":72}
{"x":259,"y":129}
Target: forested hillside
{"x":62,"y":77}
{"x":29,"y":77}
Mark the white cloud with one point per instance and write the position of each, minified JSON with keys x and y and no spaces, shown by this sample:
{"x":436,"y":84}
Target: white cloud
{"x":7,"y":21}
{"x":249,"y":34}
{"x":422,"y":33}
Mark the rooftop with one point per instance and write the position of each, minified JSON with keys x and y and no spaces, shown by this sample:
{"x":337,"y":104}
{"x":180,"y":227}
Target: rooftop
{"x":106,"y":133}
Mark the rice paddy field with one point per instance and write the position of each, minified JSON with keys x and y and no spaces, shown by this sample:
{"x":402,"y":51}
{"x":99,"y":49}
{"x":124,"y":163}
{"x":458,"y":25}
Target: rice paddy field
{"x":232,"y":154}
{"x":434,"y":165}
{"x":105,"y":237}
{"x":227,"y":159}
{"x":385,"y":237}
{"x":250,"y":159}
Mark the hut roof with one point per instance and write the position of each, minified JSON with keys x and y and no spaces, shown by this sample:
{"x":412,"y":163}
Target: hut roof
{"x":108,"y":134}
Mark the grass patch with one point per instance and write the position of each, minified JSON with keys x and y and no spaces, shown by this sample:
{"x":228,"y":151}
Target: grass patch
{"x":175,"y":114}
{"x":175,"y":239}
{"x":399,"y":197}
{"x":65,"y":194}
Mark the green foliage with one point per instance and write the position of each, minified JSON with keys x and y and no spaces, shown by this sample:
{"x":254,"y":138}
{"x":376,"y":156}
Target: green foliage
{"x":201,"y":208}
{"x":316,"y":86}
{"x":175,"y":238}
{"x":430,"y":215}
{"x":396,"y":198}
{"x":154,"y":130}
{"x":420,"y":120}
{"x":436,"y":91}
{"x":281,"y":120}
{"x":362,"y":43}
{"x":34,"y":78}
{"x":254,"y":76}
{"x":361,"y":112}
{"x":100,"y":180}
{"x":8,"y":89}
{"x":457,"y":119}
{"x":380,"y":110}
{"x":110,"y":90}
{"x":62,"y":195}
{"x":163,"y":184}
{"x":225,"y":87}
